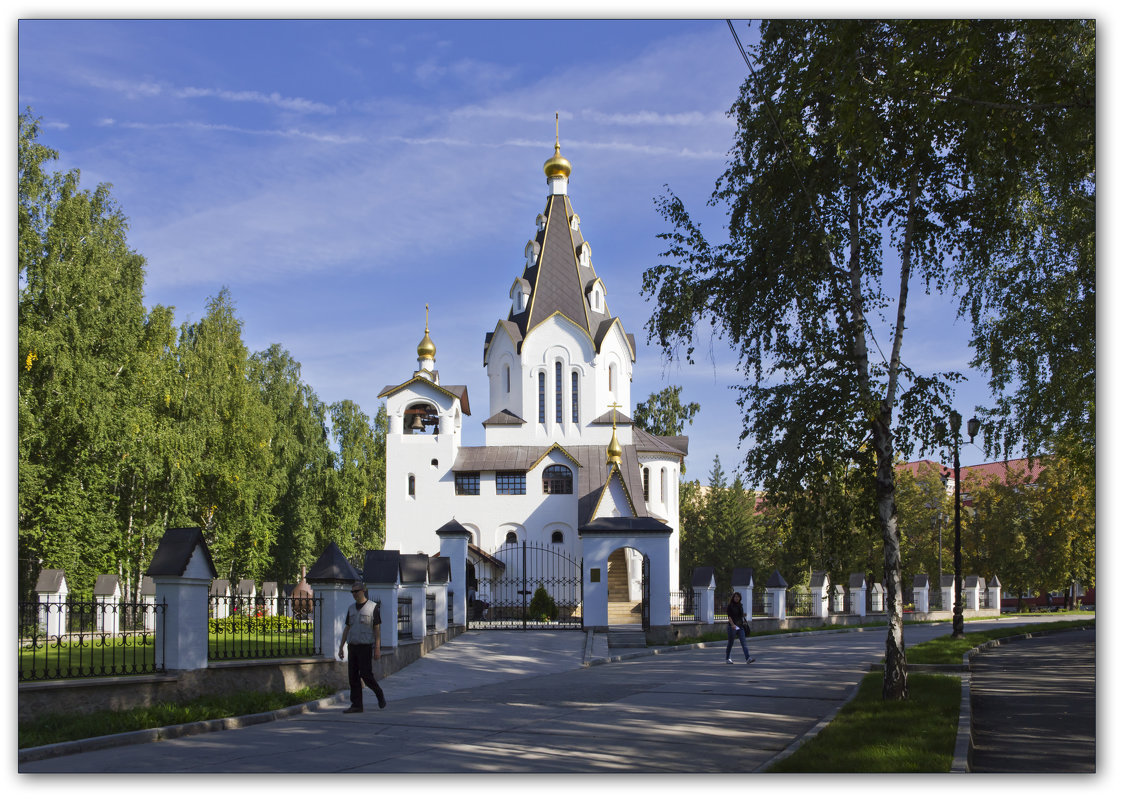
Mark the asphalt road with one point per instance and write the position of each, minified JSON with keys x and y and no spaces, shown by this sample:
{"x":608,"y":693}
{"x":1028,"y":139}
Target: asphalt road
{"x":1034,"y":707}
{"x":500,"y":702}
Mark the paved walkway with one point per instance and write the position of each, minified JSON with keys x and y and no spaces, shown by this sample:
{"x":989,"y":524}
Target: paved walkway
{"x":1034,"y":706}
{"x":499,"y":702}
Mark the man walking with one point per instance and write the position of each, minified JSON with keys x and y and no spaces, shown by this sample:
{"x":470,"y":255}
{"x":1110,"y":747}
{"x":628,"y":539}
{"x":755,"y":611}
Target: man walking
{"x":361,"y":633}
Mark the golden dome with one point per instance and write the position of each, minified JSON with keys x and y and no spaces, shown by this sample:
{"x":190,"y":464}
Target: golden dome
{"x":556,"y":165}
{"x":426,"y":348}
{"x":613,"y":452}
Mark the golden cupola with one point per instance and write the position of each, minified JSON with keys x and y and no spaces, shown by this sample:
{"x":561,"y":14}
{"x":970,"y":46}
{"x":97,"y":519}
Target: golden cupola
{"x":557,"y":168}
{"x":427,"y":350}
{"x":613,"y":450}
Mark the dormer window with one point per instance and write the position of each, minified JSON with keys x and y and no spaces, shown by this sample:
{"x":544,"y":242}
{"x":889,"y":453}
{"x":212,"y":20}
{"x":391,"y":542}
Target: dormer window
{"x":574,"y":221}
{"x":531,"y":252}
{"x":595,"y":296}
{"x":584,"y":254}
{"x":541,"y":223}
{"x":519,"y":295}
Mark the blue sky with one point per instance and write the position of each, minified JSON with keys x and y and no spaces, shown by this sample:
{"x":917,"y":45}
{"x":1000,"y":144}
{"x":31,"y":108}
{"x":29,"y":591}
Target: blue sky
{"x":339,"y":175}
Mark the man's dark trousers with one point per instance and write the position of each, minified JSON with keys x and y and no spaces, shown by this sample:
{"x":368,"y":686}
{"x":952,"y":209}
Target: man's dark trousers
{"x":359,"y":673}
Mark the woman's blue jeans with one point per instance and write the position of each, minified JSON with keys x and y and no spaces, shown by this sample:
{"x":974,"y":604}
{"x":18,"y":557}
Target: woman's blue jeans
{"x":731,"y":631}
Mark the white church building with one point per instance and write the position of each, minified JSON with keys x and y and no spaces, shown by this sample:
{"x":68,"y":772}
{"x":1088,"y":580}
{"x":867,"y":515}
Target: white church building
{"x":562,"y":468}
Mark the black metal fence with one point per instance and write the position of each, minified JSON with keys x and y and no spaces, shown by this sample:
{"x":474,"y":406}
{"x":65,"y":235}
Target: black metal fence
{"x":685,"y":606}
{"x":760,"y":602}
{"x":83,"y":638}
{"x":405,"y":621}
{"x":798,"y":602}
{"x":246,"y":627}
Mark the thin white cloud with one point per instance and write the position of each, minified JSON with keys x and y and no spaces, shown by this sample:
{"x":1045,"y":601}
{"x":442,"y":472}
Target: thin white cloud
{"x":272,"y":99}
{"x":652,"y":118}
{"x":147,"y":89}
{"x":288,"y":133}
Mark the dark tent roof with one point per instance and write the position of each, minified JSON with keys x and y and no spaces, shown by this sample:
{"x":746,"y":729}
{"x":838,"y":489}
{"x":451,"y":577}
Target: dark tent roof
{"x":175,"y":551}
{"x":381,"y":567}
{"x":332,"y":568}
{"x":50,"y":580}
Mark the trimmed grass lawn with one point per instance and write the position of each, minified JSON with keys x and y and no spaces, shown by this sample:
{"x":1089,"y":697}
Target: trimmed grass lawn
{"x":948,"y":651}
{"x":64,"y":728}
{"x":918,"y":735}
{"x":872,"y":736}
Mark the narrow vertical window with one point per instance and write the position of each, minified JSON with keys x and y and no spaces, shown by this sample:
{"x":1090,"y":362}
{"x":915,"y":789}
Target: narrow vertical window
{"x":558,"y":392}
{"x":663,"y":485}
{"x":410,"y":485}
{"x":507,"y":378}
{"x":542,"y":397}
{"x":611,"y":377}
{"x":574,"y":397}
{"x":645,"y":474}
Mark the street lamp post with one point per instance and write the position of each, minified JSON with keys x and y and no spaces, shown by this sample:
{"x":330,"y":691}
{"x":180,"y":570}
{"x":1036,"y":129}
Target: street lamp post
{"x":958,"y":583}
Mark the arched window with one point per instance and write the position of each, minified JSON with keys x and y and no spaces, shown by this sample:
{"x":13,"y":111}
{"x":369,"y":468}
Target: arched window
{"x":558,"y":393}
{"x":507,"y":378}
{"x":410,"y":485}
{"x":574,"y":397}
{"x":663,"y":485}
{"x":558,"y":480}
{"x":556,"y":537}
{"x":612,"y":377}
{"x":511,"y":537}
{"x":542,"y":397}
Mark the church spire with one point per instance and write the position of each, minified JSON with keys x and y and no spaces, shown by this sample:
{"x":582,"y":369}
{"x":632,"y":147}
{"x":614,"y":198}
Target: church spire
{"x":427,"y":350}
{"x":557,"y":168}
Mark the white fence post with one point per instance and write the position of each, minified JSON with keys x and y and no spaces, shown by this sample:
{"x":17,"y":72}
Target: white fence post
{"x":922,"y":593}
{"x":182,"y":571}
{"x":857,"y":586}
{"x":381,"y":574}
{"x":703,"y":585}
{"x":331,"y":578}
{"x":775,"y":588}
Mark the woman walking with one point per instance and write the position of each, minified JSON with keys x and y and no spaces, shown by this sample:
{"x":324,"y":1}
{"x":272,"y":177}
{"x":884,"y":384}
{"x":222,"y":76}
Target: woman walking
{"x":736,"y":624}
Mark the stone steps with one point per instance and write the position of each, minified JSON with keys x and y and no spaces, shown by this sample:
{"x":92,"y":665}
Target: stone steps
{"x":624,"y":613}
{"x":626,"y":637}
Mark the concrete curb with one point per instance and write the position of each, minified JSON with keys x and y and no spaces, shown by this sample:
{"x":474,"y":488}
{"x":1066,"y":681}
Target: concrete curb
{"x":173,"y":731}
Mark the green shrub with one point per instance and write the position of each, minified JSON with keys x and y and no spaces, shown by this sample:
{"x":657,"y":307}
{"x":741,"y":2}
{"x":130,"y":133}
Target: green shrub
{"x":543,"y":606}
{"x":258,"y":624}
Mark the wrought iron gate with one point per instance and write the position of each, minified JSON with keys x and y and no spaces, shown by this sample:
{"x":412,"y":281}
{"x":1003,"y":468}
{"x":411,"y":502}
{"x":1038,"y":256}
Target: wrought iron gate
{"x":538,"y":587}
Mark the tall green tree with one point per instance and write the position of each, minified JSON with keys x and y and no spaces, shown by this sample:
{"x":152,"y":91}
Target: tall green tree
{"x":1027,"y":208}
{"x":301,"y":465}
{"x":925,"y":514}
{"x":358,"y":494}
{"x":850,"y":184}
{"x":664,"y":414}
{"x":227,"y":431}
{"x":80,"y":320}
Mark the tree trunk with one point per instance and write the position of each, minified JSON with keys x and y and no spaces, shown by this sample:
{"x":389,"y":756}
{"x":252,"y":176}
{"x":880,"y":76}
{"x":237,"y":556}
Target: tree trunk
{"x":894,"y":668}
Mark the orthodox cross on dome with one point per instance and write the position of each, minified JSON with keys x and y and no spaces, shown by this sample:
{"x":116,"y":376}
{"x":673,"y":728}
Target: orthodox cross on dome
{"x":557,"y":168}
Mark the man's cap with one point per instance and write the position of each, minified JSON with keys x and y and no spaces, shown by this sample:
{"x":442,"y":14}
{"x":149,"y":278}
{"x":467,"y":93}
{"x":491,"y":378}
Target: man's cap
{"x":359,"y":585}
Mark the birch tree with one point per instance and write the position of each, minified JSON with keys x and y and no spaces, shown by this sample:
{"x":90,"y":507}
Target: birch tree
{"x":849,"y":186}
